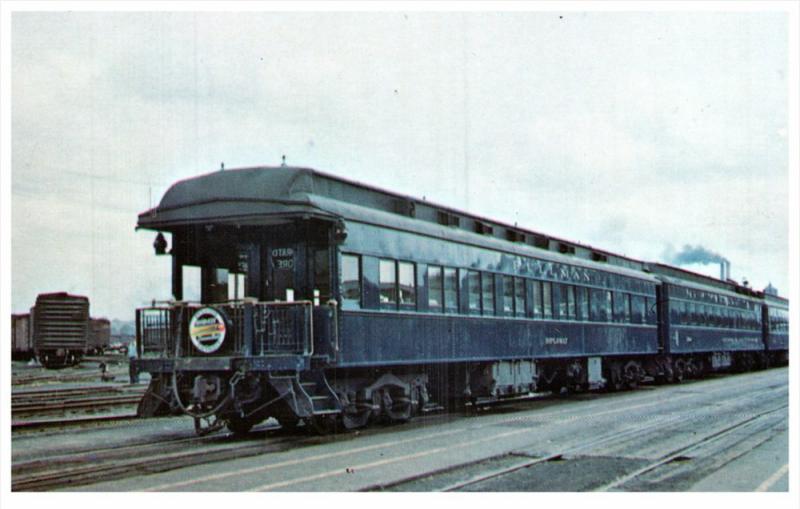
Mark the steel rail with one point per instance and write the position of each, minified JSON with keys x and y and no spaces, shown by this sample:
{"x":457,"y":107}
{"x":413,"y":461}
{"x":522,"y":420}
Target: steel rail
{"x":73,"y":421}
{"x":117,"y":463}
{"x":530,"y":462}
{"x":587,"y":446}
{"x":677,"y":453}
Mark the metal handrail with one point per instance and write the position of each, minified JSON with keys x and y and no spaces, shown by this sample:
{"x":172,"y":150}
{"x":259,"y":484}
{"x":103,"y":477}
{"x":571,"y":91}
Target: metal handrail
{"x":164,"y":326}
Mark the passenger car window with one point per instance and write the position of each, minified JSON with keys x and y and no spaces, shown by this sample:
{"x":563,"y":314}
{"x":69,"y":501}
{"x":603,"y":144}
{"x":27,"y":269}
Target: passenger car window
{"x":519,"y":296}
{"x":435,"y":302}
{"x":601,"y":305}
{"x":650,"y":309}
{"x":637,"y":309}
{"x":322,"y":274}
{"x":351,"y":281}
{"x":561,"y":292}
{"x":571,"y":311}
{"x":191,"y":277}
{"x":537,"y":299}
{"x":583,"y":299}
{"x":547,"y":300}
{"x":408,"y":284}
{"x":474,"y":292}
{"x":487,"y":284}
{"x":451,"y":290}
{"x":236,"y":286}
{"x":387,"y":281}
{"x":217,"y":285}
{"x":627,"y":310}
{"x":508,"y":295}
{"x":618,"y":307}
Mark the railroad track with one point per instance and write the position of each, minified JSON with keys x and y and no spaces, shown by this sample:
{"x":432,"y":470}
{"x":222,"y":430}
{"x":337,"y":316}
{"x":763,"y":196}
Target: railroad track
{"x":87,"y":467}
{"x":56,"y":378}
{"x":637,"y":431}
{"x":70,"y":421}
{"x":619,"y":482}
{"x":104,"y":464}
{"x":64,"y":392}
{"x":683,"y":452}
{"x":74,"y":399}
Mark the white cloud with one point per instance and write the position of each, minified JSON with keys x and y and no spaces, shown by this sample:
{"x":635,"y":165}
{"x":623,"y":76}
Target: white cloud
{"x":627,"y":131}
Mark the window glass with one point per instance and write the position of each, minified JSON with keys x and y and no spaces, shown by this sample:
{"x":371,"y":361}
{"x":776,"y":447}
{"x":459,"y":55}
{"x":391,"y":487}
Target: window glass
{"x":519,"y":296}
{"x":408,"y":284}
{"x":627,"y":298}
{"x":547,"y":300}
{"x":561,"y":300}
{"x":618,"y":307}
{"x":451,"y":290}
{"x":351,"y":281}
{"x":650,"y":309}
{"x":487,"y":283}
{"x":637,"y":309}
{"x":192,"y":283}
{"x":537,"y":299}
{"x":674,"y":312}
{"x":435,"y":288}
{"x":217,"y":285}
{"x":508,"y":295}
{"x":235,"y":286}
{"x":322,"y":274}
{"x":571,"y":311}
{"x":609,"y":306}
{"x":474,"y":292}
{"x":598,"y":312}
{"x":387,"y":282}
{"x":583,"y":296}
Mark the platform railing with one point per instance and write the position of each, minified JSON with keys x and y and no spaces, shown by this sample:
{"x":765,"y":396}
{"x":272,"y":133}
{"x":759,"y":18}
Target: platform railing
{"x":275,"y":328}
{"x":283,"y":328}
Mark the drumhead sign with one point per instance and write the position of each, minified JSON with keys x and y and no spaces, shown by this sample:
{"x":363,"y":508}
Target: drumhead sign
{"x":207,"y":330}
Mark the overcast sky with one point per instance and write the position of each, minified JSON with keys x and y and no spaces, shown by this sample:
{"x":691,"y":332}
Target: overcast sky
{"x":635,"y":133}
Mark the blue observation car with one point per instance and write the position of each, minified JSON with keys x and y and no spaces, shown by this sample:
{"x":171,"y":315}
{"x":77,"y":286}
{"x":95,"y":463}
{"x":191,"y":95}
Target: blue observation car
{"x":302,"y":296}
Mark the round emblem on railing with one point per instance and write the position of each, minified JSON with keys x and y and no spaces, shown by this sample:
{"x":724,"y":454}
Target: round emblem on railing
{"x":207,"y":330}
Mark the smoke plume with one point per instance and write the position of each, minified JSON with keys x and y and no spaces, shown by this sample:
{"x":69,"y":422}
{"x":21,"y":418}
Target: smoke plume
{"x":694,"y":254}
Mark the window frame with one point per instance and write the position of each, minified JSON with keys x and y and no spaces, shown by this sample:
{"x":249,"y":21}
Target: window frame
{"x":508,"y":294}
{"x":488,"y":289}
{"x":520,"y":298}
{"x":389,"y":304}
{"x":455,"y":308}
{"x":474,"y":276}
{"x":547,"y":300}
{"x":411,"y":304}
{"x":438,"y":308}
{"x":352,"y":303}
